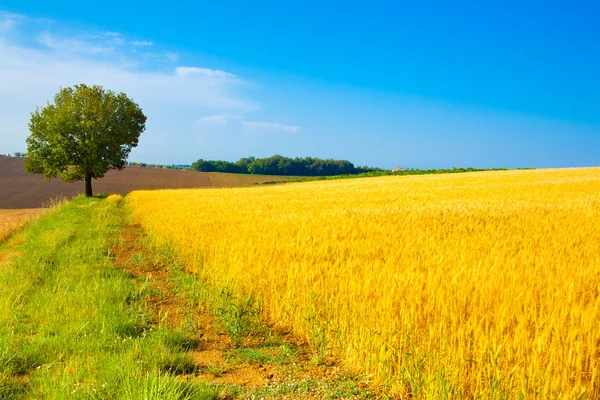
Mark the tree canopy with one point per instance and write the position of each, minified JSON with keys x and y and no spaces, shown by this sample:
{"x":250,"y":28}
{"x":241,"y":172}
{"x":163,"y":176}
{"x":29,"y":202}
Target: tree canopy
{"x":279,"y":165}
{"x":85,"y":132}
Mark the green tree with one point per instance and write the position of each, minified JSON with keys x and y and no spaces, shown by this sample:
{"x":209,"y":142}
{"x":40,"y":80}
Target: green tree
{"x":86,"y":132}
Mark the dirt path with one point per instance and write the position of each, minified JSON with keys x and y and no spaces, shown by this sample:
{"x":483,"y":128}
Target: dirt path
{"x":262,"y":367}
{"x":168,"y":308}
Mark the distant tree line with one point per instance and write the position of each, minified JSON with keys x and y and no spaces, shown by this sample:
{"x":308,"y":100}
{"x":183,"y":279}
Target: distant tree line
{"x":171,"y":166}
{"x":15,"y":154}
{"x":279,"y":165}
{"x":387,"y":172}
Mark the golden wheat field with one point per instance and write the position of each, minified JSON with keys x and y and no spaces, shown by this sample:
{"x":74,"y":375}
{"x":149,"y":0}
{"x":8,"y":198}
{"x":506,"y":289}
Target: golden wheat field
{"x":441,"y":286}
{"x":12,"y":220}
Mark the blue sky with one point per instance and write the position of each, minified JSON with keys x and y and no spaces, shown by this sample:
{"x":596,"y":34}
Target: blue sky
{"x":423,"y":85}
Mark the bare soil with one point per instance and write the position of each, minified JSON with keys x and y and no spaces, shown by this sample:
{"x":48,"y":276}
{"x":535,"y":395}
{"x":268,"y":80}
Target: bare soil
{"x":19,"y":189}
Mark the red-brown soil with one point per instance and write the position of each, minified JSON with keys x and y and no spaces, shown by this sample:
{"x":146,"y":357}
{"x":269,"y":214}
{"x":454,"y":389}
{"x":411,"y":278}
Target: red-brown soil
{"x":19,"y":189}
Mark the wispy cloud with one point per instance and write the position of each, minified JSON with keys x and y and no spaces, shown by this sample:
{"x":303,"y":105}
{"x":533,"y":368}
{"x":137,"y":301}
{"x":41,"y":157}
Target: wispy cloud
{"x":100,"y":43}
{"x":36,"y":60}
{"x":8,"y":20}
{"x":270,"y":126}
{"x":6,"y":15}
{"x":213,"y":120}
{"x":171,"y":56}
{"x":6,"y":25}
{"x":203,"y":73}
{"x":141,"y":43}
{"x":73,"y":45}
{"x":188,"y":106}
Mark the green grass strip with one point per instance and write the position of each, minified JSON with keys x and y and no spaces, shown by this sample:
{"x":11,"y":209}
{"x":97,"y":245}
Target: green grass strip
{"x":72,"y":326}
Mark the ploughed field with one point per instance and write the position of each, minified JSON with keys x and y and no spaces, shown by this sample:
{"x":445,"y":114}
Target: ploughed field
{"x":440,"y":286}
{"x":19,"y":189}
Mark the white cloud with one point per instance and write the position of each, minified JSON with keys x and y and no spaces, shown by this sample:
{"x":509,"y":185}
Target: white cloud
{"x":7,"y":25}
{"x":9,"y":16}
{"x":28,"y":73}
{"x":172,"y":56}
{"x":141,"y":43}
{"x":6,"y":15}
{"x":270,"y":126}
{"x":8,"y":21}
{"x":72,"y":45}
{"x":203,"y":73}
{"x":173,"y":97}
{"x":213,"y":120}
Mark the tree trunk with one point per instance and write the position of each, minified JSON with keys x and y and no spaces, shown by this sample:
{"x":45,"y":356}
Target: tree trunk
{"x":88,"y":185}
